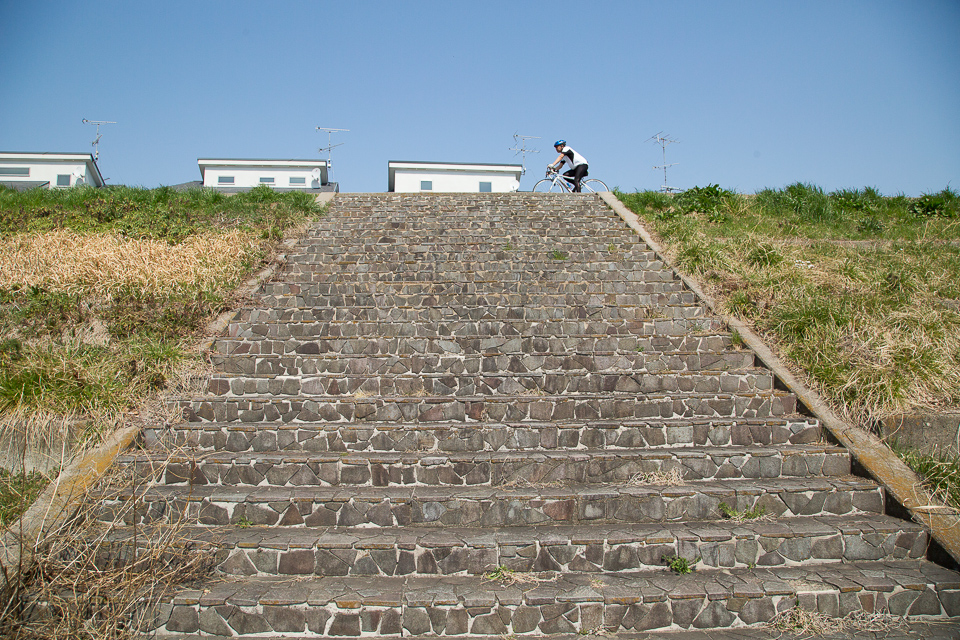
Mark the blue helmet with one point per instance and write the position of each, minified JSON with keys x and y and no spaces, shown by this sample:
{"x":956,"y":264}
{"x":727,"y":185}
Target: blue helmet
{"x":560,"y":143}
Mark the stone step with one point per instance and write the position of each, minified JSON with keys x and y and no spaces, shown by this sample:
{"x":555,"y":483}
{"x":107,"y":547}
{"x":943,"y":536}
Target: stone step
{"x":645,"y":305}
{"x":704,"y":330}
{"x":568,"y":549}
{"x":630,"y":297}
{"x":521,"y":408}
{"x":465,"y":328}
{"x":571,"y":284}
{"x":489,"y":436}
{"x":498,"y":251}
{"x":706,"y":345}
{"x":463,"y":266}
{"x":519,"y":468}
{"x":553,"y":603}
{"x":642,"y":362}
{"x":491,"y":507}
{"x":334,"y":386}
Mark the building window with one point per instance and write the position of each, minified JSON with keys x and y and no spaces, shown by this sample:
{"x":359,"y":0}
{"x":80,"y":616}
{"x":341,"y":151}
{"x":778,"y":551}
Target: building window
{"x":224,"y":179}
{"x":294,"y":181}
{"x":15,"y":171}
{"x":486,"y":187}
{"x":426,"y":185}
{"x":266,"y":180}
{"x":63,"y":180}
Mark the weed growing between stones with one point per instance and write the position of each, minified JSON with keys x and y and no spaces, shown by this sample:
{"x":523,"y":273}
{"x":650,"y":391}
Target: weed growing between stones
{"x":757,"y":513}
{"x":680,"y":565}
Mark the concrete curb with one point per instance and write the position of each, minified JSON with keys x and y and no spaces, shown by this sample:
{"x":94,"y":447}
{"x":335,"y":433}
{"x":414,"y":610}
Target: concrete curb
{"x":62,"y":496}
{"x":899,"y":481}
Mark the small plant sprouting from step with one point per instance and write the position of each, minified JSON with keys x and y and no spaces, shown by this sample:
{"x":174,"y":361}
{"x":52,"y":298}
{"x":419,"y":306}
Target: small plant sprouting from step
{"x":680,"y":565}
{"x":757,"y":513}
{"x":737,"y":340}
{"x":243,"y":523}
{"x":508,"y":246}
{"x":612,"y":248}
{"x":558,"y":255}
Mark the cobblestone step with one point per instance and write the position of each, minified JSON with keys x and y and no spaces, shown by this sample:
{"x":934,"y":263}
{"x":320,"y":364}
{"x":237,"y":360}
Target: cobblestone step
{"x":520,"y":408}
{"x":327,"y":387}
{"x":571,"y":285}
{"x":656,"y":334}
{"x":558,"y":311}
{"x":555,"y":603}
{"x":489,"y":436}
{"x":462,"y":267}
{"x":530,"y":257}
{"x":495,"y":507}
{"x":652,"y":363}
{"x":589,"y":302}
{"x":462,"y":328}
{"x":706,"y":344}
{"x":520,"y":468}
{"x":413,"y":551}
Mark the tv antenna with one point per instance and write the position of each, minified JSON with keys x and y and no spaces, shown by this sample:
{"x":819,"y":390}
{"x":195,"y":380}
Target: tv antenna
{"x":96,"y":143}
{"x":330,"y":146}
{"x":521,"y":141}
{"x":663,"y":140}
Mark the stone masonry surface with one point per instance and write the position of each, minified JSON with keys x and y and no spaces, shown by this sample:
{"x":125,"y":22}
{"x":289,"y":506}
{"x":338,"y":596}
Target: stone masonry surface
{"x":499,"y":415}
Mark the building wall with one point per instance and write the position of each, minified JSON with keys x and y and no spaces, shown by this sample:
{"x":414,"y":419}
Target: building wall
{"x":246,"y":177}
{"x":46,"y":171}
{"x":410,"y":181}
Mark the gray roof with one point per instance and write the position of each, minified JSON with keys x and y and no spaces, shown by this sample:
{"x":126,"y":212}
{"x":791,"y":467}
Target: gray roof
{"x":25,"y":185}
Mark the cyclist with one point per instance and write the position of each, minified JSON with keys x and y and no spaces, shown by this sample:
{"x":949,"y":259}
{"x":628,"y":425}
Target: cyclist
{"x":578,"y":164}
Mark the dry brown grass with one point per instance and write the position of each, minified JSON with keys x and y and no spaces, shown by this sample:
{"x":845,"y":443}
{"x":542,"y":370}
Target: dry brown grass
{"x":101,"y":264}
{"x":672,"y":478}
{"x":813,"y":624}
{"x":88,"y":583}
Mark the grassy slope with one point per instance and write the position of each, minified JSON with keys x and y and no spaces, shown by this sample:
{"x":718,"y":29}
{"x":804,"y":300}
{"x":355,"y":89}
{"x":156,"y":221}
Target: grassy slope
{"x":859,"y":293}
{"x":103,"y":293}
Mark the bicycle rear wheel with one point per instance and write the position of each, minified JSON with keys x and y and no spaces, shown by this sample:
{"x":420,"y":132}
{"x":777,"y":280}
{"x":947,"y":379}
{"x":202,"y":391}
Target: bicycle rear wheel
{"x":546,"y":186}
{"x":592,"y":185}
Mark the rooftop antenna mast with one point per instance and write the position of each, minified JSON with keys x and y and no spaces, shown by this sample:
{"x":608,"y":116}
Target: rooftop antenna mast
{"x":663,"y":140}
{"x":96,"y":143}
{"x":330,"y":146}
{"x":521,"y":142}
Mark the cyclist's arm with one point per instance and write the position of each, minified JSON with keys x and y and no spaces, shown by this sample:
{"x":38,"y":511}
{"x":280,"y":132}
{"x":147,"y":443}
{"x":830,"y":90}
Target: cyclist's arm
{"x":558,"y":162}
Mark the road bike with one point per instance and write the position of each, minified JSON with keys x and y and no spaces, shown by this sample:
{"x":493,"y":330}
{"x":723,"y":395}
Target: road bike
{"x":556,"y":182}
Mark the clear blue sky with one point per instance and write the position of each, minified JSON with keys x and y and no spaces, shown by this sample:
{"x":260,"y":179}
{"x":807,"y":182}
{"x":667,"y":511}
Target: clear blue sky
{"x":843,"y":94}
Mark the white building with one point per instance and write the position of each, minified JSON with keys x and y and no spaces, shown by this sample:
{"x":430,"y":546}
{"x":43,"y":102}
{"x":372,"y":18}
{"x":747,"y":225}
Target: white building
{"x":48,"y":170}
{"x":413,"y":177}
{"x":244,"y":174}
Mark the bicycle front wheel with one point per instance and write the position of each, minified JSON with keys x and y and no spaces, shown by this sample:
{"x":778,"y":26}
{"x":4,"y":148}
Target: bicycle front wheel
{"x":592,"y":185}
{"x":546,"y":186}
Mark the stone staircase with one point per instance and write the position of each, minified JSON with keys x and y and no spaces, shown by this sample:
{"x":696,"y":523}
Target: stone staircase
{"x":497,"y":415}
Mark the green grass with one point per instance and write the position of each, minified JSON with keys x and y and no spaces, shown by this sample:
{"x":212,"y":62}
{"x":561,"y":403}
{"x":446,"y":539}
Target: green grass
{"x":17,"y":492}
{"x":161,"y":213}
{"x":940,"y":471}
{"x":859,"y":292}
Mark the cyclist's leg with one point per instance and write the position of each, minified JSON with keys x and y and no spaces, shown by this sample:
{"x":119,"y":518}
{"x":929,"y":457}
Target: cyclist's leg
{"x":578,"y":174}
